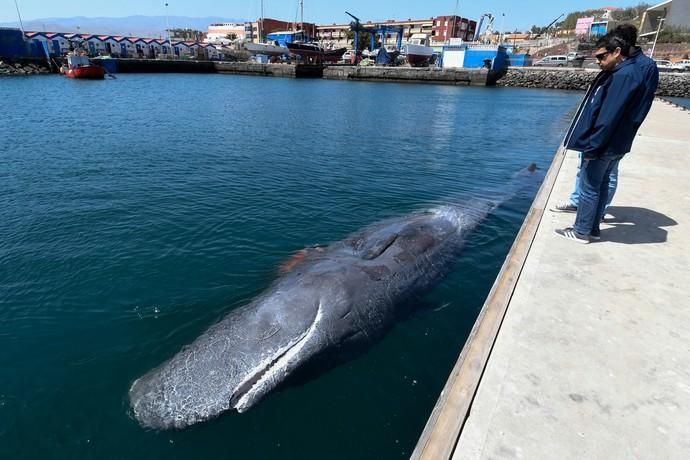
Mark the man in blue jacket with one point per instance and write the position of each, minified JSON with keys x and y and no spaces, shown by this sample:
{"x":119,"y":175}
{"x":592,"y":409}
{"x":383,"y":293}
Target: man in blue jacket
{"x":650,"y":73}
{"x":604,"y":131}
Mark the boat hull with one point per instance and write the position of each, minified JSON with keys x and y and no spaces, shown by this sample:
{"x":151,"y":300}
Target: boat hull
{"x":267,"y":50}
{"x":418,"y":55}
{"x":91,"y":72}
{"x":313,"y":51}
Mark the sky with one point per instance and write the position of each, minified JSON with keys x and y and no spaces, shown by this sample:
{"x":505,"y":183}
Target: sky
{"x":511,"y":14}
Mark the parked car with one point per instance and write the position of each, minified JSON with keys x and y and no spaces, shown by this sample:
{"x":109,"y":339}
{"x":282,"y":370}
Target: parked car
{"x":559,"y":60}
{"x":685,"y":64}
{"x":667,"y":66}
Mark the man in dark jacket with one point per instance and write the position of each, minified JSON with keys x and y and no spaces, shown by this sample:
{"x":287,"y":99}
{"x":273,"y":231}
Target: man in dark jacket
{"x":604,"y":130}
{"x":650,"y":74}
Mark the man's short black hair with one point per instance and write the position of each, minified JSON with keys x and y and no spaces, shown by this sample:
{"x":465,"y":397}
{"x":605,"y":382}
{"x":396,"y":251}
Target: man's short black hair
{"x":627,"y":32}
{"x":611,"y":41}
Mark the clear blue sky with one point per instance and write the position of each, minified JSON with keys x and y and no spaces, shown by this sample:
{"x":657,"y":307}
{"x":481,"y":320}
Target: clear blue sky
{"x":518,"y":14}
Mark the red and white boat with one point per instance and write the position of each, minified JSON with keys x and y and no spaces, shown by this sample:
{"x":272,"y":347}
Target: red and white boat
{"x":417,"y":50}
{"x":78,"y":66}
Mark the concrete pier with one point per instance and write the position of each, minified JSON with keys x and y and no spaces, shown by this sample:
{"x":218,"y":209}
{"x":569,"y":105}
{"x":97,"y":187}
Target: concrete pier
{"x":583,"y":351}
{"x":465,"y":77}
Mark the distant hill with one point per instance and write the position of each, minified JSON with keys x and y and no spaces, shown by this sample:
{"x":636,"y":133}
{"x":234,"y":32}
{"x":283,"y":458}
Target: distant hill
{"x":137,"y":26}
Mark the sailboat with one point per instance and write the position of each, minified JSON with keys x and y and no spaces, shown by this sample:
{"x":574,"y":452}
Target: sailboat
{"x":267,"y":49}
{"x":311,"y":50}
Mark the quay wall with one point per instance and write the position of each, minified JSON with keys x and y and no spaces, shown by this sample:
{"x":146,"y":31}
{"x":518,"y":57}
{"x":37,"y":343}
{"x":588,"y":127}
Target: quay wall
{"x":469,"y":77}
{"x":270,"y":70}
{"x":670,"y":84}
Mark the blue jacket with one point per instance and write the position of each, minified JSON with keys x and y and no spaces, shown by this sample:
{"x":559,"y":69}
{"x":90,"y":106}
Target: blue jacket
{"x":650,"y":75}
{"x":611,"y":112}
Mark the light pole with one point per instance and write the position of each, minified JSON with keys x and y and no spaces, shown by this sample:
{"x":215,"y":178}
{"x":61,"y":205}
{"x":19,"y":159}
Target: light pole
{"x":658,"y":29}
{"x":21,"y":24}
{"x":500,"y":38}
{"x":167,"y":28}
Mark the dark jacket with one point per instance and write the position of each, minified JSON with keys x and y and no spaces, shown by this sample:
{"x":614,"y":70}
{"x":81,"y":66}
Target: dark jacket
{"x":607,"y":121}
{"x":650,"y":76}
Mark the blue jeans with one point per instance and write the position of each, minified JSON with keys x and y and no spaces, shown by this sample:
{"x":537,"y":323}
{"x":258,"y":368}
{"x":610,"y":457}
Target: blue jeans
{"x":613,"y":184}
{"x":594,"y":190}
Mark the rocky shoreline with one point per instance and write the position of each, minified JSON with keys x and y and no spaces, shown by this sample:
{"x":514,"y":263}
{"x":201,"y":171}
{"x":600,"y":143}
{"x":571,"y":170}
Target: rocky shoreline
{"x":670,"y":84}
{"x":23,"y":68}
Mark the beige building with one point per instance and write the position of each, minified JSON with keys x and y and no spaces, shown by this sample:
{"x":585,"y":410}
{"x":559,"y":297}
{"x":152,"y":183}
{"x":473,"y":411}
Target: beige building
{"x":337,"y":33}
{"x":675,"y":13}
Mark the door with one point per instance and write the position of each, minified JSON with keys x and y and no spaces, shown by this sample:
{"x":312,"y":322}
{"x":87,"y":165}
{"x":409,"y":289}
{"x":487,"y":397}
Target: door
{"x":56,"y":48}
{"x":92,"y":49}
{"x":123,"y":50}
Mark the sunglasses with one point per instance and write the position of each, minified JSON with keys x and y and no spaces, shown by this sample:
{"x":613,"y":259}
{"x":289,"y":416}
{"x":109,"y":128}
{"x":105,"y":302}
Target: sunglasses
{"x":601,"y":56}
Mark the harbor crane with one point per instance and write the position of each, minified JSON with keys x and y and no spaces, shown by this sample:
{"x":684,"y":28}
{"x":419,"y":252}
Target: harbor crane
{"x":375,"y":30}
{"x":489,"y":25}
{"x":549,"y":26}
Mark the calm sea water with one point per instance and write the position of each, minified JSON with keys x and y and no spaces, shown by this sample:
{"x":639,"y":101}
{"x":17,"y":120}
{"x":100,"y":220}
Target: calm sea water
{"x":137,"y":212}
{"x":681,"y":101}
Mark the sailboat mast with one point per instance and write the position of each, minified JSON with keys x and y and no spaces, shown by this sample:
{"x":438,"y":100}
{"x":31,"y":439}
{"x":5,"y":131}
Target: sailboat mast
{"x":261,"y":23}
{"x":301,"y":17}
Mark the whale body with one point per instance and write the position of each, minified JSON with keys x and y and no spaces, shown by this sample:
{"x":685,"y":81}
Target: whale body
{"x":343,"y":296}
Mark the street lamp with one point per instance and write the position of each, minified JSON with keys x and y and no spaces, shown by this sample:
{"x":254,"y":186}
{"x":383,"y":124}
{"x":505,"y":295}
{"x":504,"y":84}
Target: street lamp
{"x":21,"y":24}
{"x":167,"y":28}
{"x":500,"y":41}
{"x":658,"y":29}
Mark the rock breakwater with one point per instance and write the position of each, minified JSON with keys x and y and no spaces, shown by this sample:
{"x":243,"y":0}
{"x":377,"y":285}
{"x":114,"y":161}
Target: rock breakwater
{"x":22,"y":68}
{"x":670,"y":84}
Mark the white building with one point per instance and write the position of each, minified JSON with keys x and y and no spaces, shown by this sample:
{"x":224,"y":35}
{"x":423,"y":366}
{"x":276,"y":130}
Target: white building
{"x":218,"y":33}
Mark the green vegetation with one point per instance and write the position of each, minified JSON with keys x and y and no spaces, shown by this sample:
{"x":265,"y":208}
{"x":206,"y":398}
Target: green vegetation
{"x":674,"y":34}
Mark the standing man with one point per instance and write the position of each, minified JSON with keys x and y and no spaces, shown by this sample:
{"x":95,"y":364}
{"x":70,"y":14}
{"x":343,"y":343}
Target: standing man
{"x":603,"y":131}
{"x":650,"y":75}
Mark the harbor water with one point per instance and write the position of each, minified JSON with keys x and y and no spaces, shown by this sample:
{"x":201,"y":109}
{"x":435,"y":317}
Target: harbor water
{"x":139,"y":211}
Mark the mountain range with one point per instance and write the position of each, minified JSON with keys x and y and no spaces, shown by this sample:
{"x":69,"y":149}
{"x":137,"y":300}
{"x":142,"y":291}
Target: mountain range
{"x":135,"y":26}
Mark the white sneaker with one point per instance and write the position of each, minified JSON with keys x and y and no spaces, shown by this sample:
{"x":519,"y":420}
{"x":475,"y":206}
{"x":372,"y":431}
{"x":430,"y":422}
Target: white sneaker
{"x":569,"y":233}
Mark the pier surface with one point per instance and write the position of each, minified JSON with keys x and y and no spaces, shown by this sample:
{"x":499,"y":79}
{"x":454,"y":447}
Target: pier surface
{"x":583,"y":351}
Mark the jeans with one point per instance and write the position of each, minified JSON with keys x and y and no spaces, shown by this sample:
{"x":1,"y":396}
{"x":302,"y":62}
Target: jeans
{"x":594,"y":189}
{"x":613,"y":184}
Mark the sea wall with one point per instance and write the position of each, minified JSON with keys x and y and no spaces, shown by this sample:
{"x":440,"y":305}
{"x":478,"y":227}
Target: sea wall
{"x":473,"y":77}
{"x":670,"y":84}
{"x":21,"y":67}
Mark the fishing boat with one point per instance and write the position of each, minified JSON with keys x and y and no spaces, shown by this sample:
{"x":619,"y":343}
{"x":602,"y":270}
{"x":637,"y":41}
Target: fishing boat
{"x":417,"y":50}
{"x":79,"y":66}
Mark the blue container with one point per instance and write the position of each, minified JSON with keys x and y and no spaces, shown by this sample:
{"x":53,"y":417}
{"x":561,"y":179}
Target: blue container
{"x":519,"y":60}
{"x":476,"y":58}
{"x":12,"y":44}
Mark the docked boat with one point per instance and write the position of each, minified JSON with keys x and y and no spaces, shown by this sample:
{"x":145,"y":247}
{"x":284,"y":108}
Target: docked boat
{"x":418,"y":51}
{"x":316,"y":51}
{"x":79,"y":66}
{"x":266,"y":49}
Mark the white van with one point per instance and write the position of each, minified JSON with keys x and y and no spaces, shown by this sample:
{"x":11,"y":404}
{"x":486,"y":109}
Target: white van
{"x":557,"y":60}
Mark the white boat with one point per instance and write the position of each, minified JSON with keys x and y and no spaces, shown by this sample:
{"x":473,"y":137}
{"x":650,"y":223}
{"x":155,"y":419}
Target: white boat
{"x":417,"y":50}
{"x":267,"y":49}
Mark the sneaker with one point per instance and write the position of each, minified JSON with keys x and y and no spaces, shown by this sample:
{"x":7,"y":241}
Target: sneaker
{"x":570,"y":234}
{"x":595,"y":236}
{"x":565,"y":206}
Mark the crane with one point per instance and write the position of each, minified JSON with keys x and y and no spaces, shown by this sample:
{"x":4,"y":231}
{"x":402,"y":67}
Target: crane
{"x":489,"y":25}
{"x":547,"y":27}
